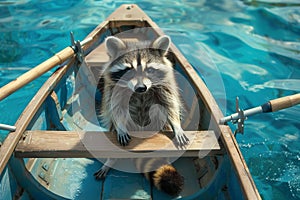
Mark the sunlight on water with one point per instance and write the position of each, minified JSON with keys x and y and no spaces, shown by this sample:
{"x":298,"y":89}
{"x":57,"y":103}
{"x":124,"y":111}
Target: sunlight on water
{"x":244,"y":48}
{"x":285,"y":84}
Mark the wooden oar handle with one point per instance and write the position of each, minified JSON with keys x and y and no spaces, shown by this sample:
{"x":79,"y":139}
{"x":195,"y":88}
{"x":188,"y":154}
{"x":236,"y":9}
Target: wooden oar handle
{"x":285,"y":102}
{"x":34,"y":73}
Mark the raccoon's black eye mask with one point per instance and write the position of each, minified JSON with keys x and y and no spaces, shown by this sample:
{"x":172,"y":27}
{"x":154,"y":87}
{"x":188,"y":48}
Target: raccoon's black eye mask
{"x":129,"y":73}
{"x":124,"y":74}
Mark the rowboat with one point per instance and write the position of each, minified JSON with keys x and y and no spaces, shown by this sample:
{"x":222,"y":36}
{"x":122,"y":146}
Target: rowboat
{"x":59,"y":143}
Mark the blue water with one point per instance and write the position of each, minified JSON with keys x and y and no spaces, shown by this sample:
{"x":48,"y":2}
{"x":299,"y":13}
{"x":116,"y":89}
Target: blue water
{"x":249,"y":49}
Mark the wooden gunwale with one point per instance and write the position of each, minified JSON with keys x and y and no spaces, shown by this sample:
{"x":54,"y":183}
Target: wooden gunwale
{"x":13,"y":138}
{"x":249,"y":188}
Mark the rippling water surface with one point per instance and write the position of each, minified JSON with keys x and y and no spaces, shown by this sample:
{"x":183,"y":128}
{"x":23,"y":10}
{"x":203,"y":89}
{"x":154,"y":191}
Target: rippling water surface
{"x":249,"y":49}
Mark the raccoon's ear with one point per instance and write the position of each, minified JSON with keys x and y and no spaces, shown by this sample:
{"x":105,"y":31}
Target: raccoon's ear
{"x":162,"y":43}
{"x":114,"y":45}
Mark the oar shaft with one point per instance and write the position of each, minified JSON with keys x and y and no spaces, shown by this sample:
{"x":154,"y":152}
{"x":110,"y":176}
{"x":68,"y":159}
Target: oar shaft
{"x":236,"y":116}
{"x":7,"y":127}
{"x":270,"y":106}
{"x":34,"y":73}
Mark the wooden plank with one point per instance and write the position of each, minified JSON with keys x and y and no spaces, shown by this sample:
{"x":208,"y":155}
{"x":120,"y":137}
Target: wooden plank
{"x":98,"y":57}
{"x":66,"y":144}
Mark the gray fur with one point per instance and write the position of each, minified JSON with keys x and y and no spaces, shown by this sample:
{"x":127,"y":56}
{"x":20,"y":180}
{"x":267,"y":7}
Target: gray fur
{"x":146,"y":97}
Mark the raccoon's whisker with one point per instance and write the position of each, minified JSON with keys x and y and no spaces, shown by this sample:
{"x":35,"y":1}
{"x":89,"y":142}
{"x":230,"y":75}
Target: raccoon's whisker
{"x":159,"y":83}
{"x":120,"y":83}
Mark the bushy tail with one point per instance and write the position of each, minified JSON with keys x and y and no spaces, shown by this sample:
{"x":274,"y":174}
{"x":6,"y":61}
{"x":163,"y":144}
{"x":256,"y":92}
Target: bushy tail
{"x":161,"y":174}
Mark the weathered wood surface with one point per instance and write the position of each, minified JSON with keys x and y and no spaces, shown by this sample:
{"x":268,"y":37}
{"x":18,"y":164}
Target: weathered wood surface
{"x":68,"y":144}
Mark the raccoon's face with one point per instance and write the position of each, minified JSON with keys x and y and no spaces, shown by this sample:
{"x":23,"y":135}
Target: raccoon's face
{"x":139,"y":67}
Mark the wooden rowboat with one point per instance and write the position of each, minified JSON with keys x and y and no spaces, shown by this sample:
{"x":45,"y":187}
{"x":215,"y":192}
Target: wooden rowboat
{"x":52,"y":153}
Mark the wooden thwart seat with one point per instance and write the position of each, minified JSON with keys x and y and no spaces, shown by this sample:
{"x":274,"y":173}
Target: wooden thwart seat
{"x":71,"y":144}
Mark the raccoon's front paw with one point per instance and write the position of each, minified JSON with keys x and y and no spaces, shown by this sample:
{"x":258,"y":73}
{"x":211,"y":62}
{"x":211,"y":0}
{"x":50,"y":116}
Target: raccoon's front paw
{"x":123,"y":138}
{"x":181,"y":137}
{"x":101,"y":173}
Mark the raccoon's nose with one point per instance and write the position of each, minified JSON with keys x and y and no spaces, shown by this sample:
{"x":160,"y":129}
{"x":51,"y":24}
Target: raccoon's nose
{"x":140,"y":88}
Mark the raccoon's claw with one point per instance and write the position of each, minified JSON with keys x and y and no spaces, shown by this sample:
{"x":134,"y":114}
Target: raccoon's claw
{"x":101,"y":173}
{"x":181,"y":138}
{"x":124,"y":139}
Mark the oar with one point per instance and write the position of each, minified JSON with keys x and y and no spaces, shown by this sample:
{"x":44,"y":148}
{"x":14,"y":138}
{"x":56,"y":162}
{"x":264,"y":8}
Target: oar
{"x":7,"y":127}
{"x":270,"y":106}
{"x":39,"y":70}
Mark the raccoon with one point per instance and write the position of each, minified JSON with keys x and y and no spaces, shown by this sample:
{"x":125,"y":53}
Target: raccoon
{"x":140,"y":91}
{"x":165,"y":177}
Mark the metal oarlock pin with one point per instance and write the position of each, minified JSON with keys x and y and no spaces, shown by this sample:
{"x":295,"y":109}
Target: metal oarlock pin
{"x":77,"y":46}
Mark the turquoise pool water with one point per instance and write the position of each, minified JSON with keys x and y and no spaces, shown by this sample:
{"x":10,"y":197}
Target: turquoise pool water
{"x":249,"y":49}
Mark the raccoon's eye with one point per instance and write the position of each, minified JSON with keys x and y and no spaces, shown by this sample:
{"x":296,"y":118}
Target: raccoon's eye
{"x":150,"y":70}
